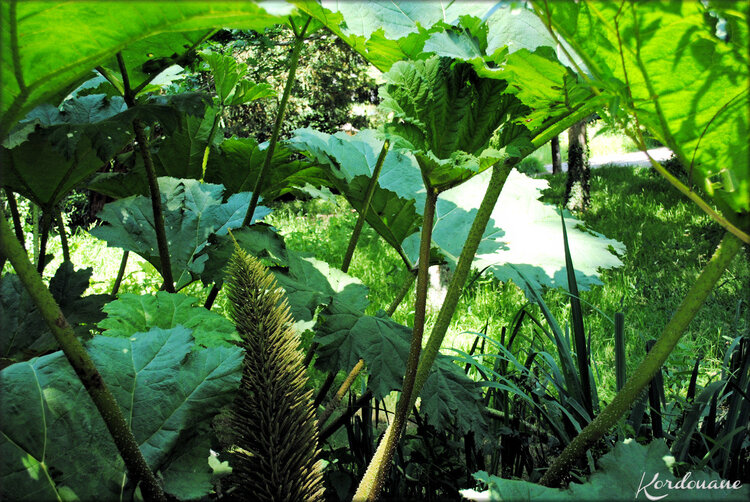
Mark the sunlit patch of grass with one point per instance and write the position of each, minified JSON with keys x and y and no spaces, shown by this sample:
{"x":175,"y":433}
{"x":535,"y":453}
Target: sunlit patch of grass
{"x":669,"y":240}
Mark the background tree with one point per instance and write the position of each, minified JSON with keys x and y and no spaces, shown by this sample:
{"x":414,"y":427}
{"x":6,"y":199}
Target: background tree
{"x":577,"y":188}
{"x":330,"y":80}
{"x":556,"y":157}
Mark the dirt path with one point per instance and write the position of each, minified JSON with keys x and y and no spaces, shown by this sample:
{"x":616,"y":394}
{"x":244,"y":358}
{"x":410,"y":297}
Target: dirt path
{"x":634,"y":159}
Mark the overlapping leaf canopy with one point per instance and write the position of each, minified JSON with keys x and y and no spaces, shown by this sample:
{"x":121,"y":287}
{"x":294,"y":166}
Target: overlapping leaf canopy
{"x":193,"y":211}
{"x":45,"y":54}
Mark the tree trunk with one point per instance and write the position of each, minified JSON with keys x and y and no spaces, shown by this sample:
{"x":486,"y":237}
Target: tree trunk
{"x":556,"y":157}
{"x":577,"y":188}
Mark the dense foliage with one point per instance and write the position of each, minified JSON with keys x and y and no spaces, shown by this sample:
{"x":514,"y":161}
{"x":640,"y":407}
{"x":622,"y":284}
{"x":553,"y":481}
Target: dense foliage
{"x":129,"y":404}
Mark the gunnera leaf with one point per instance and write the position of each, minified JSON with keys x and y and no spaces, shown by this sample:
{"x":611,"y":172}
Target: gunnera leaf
{"x":53,"y":441}
{"x":455,"y":123}
{"x":23,"y":332}
{"x":192,"y":212}
{"x":131,"y":314}
{"x":272,"y":419}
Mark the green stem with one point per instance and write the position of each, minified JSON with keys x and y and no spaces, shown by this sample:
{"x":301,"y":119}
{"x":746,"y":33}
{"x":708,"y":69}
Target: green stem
{"x":207,"y":151}
{"x":365,"y":207}
{"x":381,"y":457}
{"x":334,"y":402}
{"x":294,"y":60}
{"x":82,"y":364}
{"x":16,"y":217}
{"x":44,"y":236}
{"x":323,"y":391}
{"x":34,"y":231}
{"x":111,"y":79}
{"x":140,"y":136}
{"x":120,"y":272}
{"x":623,"y":400}
{"x":344,"y":417}
{"x":211,"y":297}
{"x":405,"y":288}
{"x":373,"y":480}
{"x":63,"y":236}
{"x":153,"y":185}
{"x":309,"y":355}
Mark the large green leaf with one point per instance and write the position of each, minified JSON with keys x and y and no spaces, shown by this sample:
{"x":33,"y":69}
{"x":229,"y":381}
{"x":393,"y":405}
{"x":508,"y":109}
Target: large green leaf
{"x":388,"y":31}
{"x":23,"y":332}
{"x":234,"y":163}
{"x":310,"y":284}
{"x":237,"y":162}
{"x":454,"y":122}
{"x":669,"y":65}
{"x":229,"y":82}
{"x":451,"y":397}
{"x":522,"y":234}
{"x":192,"y":212}
{"x":131,"y":314}
{"x":180,"y":155}
{"x":75,"y":142}
{"x":259,"y":240}
{"x":350,"y":163}
{"x":54,"y":442}
{"x":346,"y":336}
{"x":486,"y":43}
{"x":629,"y":471}
{"x":48,"y":46}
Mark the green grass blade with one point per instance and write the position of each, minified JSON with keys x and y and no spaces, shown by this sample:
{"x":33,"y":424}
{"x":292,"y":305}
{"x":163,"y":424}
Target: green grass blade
{"x":579,"y":334}
{"x":573,"y":384}
{"x":620,"y":356}
{"x":689,"y":425}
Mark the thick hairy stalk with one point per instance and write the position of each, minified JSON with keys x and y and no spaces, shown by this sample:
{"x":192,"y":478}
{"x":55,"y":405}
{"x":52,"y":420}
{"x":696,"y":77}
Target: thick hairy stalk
{"x":293,"y":61}
{"x":63,"y":236}
{"x":211,"y":135}
{"x":153,"y":185}
{"x":120,"y":272}
{"x":16,"y":217}
{"x":43,"y":237}
{"x":363,"y":210}
{"x":727,"y":249}
{"x":497,"y":180}
{"x":324,"y":388}
{"x":372,"y":482}
{"x":273,"y":420}
{"x":211,"y":297}
{"x":82,"y":364}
